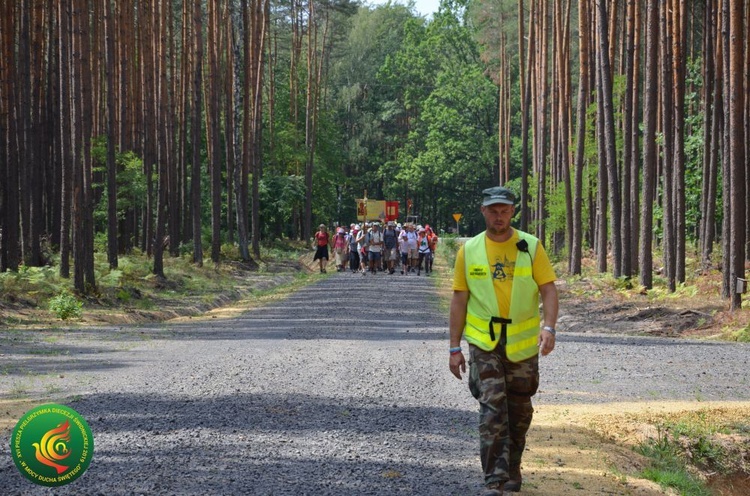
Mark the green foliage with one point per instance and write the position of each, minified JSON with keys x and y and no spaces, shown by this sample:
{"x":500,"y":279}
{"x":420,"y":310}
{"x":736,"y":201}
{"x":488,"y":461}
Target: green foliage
{"x":668,"y":467}
{"x":689,"y":440}
{"x":131,"y":182}
{"x":695,"y":147}
{"x":32,"y":281}
{"x":742,"y":335}
{"x":556,"y":220}
{"x":66,"y":306}
{"x":280,"y":196}
{"x":447,"y":249}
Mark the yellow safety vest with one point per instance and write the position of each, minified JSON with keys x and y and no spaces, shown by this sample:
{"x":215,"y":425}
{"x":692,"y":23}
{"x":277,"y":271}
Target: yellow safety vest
{"x":484,"y":326}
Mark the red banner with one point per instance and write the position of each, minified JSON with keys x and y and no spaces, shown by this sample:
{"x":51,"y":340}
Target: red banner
{"x":391,"y":210}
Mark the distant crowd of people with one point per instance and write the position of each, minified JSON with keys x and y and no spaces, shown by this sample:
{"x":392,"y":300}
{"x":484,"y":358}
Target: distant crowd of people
{"x":374,"y":248}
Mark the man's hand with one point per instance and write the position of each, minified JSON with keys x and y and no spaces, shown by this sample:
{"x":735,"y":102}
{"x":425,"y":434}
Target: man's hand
{"x":457,"y":364}
{"x":546,"y":342}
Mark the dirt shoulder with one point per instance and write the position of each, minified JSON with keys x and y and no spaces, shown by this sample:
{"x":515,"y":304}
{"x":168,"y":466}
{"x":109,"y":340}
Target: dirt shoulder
{"x":589,"y":449}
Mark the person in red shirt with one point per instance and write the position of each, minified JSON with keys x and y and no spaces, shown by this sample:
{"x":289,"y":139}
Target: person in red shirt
{"x":321,"y":242}
{"x":432,"y":241}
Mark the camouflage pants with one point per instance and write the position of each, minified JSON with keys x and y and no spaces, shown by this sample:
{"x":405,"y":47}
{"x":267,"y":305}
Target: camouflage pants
{"x":504,"y":390}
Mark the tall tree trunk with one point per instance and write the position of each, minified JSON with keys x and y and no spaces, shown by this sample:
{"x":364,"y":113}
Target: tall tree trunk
{"x":241,"y":181}
{"x":726,"y":173}
{"x":607,"y":114}
{"x":309,"y":109}
{"x":526,"y":122}
{"x":36,"y":137}
{"x":667,"y":110}
{"x":583,"y":92}
{"x":174,"y":169}
{"x":712,"y":116}
{"x":635,"y":161}
{"x":602,"y":217}
{"x":260,"y":25}
{"x":540,"y":130}
{"x":161,"y":104}
{"x":213,"y":116}
{"x":148,"y":120}
{"x":112,"y":248}
{"x":67,"y":150}
{"x":195,"y":179}
{"x":10,"y":213}
{"x":24,"y":124}
{"x":679,"y":63}
{"x":229,"y":142}
{"x":185,"y":116}
{"x":650,"y":98}
{"x":738,"y":165}
{"x":627,"y":149}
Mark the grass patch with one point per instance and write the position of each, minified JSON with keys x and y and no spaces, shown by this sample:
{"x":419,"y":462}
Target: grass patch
{"x":689,"y":444}
{"x":131,"y":293}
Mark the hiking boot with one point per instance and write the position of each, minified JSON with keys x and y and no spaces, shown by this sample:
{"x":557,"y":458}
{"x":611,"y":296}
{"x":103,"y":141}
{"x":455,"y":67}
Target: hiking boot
{"x":494,"y":489}
{"x":514,"y":484}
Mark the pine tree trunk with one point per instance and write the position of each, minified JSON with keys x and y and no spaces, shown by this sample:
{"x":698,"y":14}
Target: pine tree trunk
{"x":229,"y":151}
{"x":9,"y":260}
{"x":526,"y":117}
{"x":241,"y":180}
{"x":627,"y":150}
{"x":185,"y":116}
{"x":738,"y":166}
{"x":679,"y":63}
{"x":309,"y":135}
{"x":607,"y":114}
{"x":112,"y":248}
{"x":160,"y":21}
{"x":635,"y":161}
{"x":213,"y":116}
{"x":195,"y":179}
{"x":667,"y":112}
{"x":650,"y":101}
{"x":576,"y":251}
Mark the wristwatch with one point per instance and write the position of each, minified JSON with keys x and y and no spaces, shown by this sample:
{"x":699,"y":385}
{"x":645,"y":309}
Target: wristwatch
{"x":550,"y":330}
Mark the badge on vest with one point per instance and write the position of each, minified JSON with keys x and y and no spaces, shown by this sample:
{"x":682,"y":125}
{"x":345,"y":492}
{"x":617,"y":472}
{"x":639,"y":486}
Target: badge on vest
{"x":478,"y":271}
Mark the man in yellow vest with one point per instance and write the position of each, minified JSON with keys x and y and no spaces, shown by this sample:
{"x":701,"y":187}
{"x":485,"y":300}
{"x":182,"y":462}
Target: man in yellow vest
{"x":499,"y":276}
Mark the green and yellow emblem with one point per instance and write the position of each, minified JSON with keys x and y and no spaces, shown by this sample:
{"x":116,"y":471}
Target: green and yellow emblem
{"x":52,"y":445}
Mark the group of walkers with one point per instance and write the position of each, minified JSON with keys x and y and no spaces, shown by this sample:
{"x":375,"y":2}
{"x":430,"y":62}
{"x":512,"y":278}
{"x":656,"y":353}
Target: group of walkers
{"x":370,"y":248}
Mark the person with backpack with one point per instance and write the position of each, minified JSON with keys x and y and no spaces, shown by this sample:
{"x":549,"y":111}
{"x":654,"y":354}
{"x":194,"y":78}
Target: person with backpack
{"x":432,"y":241}
{"x":339,"y":249}
{"x":423,"y":247}
{"x":375,"y":247}
{"x":362,"y":248}
{"x":390,"y":247}
{"x":353,"y":252}
{"x":322,"y":239}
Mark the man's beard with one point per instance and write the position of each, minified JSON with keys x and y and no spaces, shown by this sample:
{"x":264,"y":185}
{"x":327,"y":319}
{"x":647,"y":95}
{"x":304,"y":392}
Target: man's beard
{"x":498,"y":231}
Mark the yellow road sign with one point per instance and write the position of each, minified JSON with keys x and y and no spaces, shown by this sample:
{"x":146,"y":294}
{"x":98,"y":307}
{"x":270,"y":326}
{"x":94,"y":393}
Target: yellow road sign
{"x":457,"y":217}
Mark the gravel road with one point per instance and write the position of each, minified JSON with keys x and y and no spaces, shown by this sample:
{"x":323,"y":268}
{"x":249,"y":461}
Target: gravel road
{"x":340,"y":389}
